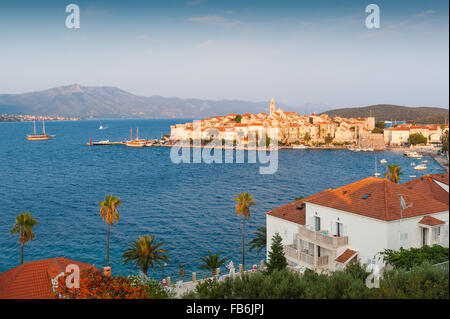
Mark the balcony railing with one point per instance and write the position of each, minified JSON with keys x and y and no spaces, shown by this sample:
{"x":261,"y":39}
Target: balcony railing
{"x":319,"y":238}
{"x":304,"y":258}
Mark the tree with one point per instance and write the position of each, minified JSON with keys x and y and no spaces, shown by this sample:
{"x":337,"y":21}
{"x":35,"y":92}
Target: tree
{"x":380,"y":124}
{"x":244,"y":201}
{"x":417,"y":138}
{"x":109,"y":213}
{"x":212,"y":262}
{"x":307,"y":138}
{"x":378,"y":130}
{"x":144,"y":253}
{"x":445,"y":141}
{"x":237,"y":119}
{"x":277,"y":260}
{"x":299,"y":198}
{"x":24,"y":227}
{"x":259,"y":240}
{"x":328,"y":139}
{"x":394,"y":172}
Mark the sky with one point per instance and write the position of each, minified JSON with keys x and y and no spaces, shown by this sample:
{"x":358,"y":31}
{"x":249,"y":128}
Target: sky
{"x":299,"y":52}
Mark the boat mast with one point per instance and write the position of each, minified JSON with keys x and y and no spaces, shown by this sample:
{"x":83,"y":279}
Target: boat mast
{"x":131,"y":134}
{"x":34,"y":124}
{"x":43,"y":126}
{"x":137,"y":133}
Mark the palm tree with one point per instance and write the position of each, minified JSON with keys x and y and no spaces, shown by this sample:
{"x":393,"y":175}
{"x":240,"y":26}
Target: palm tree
{"x":108,"y":212}
{"x":259,"y":241}
{"x":144,"y":253}
{"x":212,"y":262}
{"x":24,"y":227}
{"x":244,"y":201}
{"x":307,"y":138}
{"x":394,"y":172}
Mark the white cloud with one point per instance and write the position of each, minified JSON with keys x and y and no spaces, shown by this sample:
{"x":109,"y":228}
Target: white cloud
{"x":425,"y":13}
{"x":205,"y":44}
{"x":218,"y":20}
{"x":195,"y":2}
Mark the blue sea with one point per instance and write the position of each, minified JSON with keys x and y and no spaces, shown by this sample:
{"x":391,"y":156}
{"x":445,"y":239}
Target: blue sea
{"x":189,"y":207}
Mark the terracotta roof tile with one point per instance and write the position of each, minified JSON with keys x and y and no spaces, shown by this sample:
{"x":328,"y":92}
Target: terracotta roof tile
{"x":32,"y":279}
{"x":425,"y":185}
{"x":377,"y":198}
{"x":294,"y":212}
{"x":443,"y":178}
{"x":346,"y":256}
{"x":431,"y":221}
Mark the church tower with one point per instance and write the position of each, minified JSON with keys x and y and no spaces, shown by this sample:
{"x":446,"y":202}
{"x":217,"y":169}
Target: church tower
{"x":272,"y":106}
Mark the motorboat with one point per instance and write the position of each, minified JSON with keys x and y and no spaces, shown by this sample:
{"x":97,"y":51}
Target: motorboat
{"x":420,"y":167}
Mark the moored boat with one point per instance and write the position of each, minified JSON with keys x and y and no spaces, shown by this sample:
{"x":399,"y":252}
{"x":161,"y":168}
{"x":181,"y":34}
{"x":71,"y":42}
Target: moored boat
{"x":420,"y":167}
{"x":136,"y":142}
{"x":300,"y":147}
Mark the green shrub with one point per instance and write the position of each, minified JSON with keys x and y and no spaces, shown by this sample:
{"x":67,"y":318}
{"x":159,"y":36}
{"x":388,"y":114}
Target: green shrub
{"x":407,"y":258}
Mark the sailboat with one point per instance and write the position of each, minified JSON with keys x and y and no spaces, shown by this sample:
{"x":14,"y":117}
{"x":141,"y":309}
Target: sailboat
{"x":376,"y":168}
{"x":136,"y":142}
{"x":39,"y":137}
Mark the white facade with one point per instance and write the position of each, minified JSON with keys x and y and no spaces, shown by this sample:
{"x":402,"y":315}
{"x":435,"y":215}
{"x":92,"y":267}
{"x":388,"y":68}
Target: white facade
{"x":331,"y":233}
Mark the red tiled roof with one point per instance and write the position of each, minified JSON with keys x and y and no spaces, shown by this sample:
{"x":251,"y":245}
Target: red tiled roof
{"x":291,"y":212}
{"x":431,"y":221}
{"x":443,"y":178}
{"x":377,"y":198}
{"x":32,"y":279}
{"x":425,"y":185}
{"x":346,"y":256}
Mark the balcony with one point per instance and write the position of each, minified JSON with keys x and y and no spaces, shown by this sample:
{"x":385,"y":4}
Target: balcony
{"x":304,"y":258}
{"x":322,"y":238}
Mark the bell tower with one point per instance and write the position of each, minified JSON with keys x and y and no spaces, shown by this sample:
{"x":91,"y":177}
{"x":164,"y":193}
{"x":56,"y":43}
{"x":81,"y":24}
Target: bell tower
{"x":272,"y":106}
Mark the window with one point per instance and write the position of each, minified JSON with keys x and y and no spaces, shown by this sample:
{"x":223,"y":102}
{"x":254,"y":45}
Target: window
{"x":403,"y":238}
{"x":437,"y":233}
{"x":339,"y":229}
{"x":316,"y":223}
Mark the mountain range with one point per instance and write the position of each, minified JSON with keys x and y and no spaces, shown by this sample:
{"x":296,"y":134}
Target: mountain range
{"x":388,"y":112}
{"x":110,"y":102}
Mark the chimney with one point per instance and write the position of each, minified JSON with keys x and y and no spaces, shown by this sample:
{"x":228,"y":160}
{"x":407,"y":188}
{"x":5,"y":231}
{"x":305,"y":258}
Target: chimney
{"x":107,"y":271}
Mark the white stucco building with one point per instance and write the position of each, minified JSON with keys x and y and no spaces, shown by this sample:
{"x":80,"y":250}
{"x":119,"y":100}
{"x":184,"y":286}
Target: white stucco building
{"x":327,"y":230}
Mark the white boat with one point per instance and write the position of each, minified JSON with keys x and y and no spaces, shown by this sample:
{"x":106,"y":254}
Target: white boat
{"x":424,"y":161}
{"x":412,"y":176}
{"x":413,"y":154}
{"x":101,"y":127}
{"x":383,"y":161}
{"x":357,"y":149}
{"x":370,"y":149}
{"x":413,"y":164}
{"x":300,"y":147}
{"x":420,"y":167}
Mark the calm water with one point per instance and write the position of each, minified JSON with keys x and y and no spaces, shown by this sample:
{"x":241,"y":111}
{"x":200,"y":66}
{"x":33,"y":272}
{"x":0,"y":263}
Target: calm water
{"x":189,"y":207}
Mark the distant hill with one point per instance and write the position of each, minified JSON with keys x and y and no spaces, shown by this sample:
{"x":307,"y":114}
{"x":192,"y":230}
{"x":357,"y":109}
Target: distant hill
{"x":110,"y":102}
{"x":387,"y":112}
